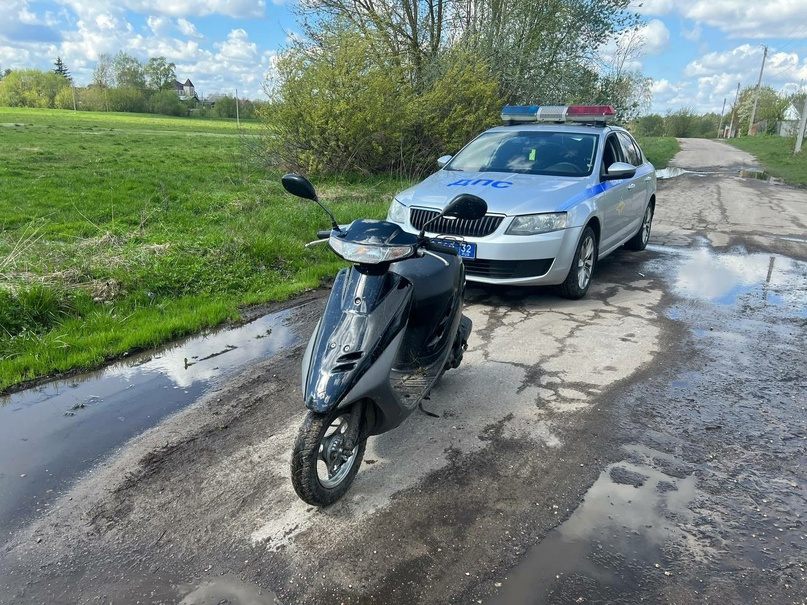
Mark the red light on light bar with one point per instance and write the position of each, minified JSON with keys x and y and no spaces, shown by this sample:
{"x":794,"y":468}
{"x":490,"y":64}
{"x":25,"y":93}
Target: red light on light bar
{"x":590,"y":111}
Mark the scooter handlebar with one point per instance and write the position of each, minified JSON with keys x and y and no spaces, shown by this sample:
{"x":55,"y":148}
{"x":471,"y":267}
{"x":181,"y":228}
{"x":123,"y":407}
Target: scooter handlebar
{"x":324,"y":234}
{"x":435,"y":247}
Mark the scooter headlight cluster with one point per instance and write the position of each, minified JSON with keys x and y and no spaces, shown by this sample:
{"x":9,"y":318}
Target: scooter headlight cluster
{"x":368,"y":253}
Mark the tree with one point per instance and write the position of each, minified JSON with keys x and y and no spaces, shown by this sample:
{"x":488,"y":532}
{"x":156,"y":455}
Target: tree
{"x":168,"y":103}
{"x":103,"y":75}
{"x":31,"y":88}
{"x":680,"y":123}
{"x":159,"y":73}
{"x":375,"y":85}
{"x":61,"y":69}
{"x":225,"y":107}
{"x":649,"y":126}
{"x":769,"y":108}
{"x":127,"y":72}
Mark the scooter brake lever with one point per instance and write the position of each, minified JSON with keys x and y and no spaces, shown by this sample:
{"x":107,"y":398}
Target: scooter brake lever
{"x":315,"y":242}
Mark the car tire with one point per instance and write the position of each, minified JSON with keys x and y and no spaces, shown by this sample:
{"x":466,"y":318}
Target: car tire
{"x":639,"y":241}
{"x":578,"y":280}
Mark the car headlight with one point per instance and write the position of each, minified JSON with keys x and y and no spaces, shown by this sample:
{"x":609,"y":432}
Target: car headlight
{"x":368,"y":253}
{"x":532,"y":224}
{"x":397,"y":212}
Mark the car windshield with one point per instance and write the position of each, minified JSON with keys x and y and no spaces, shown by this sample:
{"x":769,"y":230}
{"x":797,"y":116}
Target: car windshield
{"x":528,"y":152}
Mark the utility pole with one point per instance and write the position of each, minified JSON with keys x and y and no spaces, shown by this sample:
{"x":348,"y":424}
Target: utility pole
{"x":802,"y":121}
{"x":237,"y":117}
{"x":733,"y":109}
{"x":756,"y":96}
{"x":722,"y":111}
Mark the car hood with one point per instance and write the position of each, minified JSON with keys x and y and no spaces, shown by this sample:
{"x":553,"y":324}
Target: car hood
{"x":505,"y":193}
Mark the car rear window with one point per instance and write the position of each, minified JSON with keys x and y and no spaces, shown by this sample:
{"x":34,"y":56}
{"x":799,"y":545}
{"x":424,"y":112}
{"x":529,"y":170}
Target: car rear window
{"x":528,"y":152}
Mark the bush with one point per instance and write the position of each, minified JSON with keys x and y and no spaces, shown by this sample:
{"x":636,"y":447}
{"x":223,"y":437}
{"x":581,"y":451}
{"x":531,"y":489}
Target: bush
{"x":365,"y":116}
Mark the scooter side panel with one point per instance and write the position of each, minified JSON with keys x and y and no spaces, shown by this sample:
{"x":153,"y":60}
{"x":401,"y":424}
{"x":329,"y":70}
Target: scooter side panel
{"x":364,"y":315}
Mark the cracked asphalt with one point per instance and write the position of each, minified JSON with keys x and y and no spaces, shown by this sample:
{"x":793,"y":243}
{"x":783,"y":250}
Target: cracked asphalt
{"x":645,"y":444}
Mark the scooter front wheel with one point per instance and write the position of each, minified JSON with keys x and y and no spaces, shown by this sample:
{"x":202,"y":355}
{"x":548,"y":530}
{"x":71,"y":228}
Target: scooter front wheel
{"x":321,"y":469}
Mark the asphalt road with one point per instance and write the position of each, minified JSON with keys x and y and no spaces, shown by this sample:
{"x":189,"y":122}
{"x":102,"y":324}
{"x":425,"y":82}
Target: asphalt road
{"x":645,"y":444}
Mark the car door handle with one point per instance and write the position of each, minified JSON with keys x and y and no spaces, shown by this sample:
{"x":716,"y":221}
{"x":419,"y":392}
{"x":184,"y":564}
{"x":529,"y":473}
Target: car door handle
{"x":646,"y":179}
{"x":632,"y":185}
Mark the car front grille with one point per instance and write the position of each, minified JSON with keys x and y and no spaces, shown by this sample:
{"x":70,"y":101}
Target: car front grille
{"x":507,"y":269}
{"x":462,"y":227}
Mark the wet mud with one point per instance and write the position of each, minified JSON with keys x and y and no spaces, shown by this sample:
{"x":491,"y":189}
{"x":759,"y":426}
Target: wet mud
{"x":709,"y":502}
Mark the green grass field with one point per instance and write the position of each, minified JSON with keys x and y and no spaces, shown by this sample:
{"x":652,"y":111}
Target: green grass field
{"x":659,"y":150}
{"x":120,"y":232}
{"x":776,"y":155}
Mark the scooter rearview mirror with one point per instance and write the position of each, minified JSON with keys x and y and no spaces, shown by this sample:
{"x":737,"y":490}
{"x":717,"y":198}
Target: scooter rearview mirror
{"x":466,"y":206}
{"x":298,"y":185}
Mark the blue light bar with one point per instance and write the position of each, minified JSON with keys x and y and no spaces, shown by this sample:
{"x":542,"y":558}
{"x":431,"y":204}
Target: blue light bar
{"x":520,"y":113}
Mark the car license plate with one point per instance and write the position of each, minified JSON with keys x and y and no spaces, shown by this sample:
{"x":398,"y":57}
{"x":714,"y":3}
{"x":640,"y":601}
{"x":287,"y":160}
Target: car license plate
{"x":464,"y":249}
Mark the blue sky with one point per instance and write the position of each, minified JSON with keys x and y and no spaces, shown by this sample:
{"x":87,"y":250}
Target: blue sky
{"x":695,"y":51}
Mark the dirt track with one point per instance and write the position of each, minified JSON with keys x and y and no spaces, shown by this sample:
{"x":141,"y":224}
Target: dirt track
{"x":646,"y":443}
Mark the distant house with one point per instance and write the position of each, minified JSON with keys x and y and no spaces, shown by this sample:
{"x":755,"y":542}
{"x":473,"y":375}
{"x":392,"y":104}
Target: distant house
{"x":186,"y":90}
{"x":788,"y":126}
{"x":211,"y":100}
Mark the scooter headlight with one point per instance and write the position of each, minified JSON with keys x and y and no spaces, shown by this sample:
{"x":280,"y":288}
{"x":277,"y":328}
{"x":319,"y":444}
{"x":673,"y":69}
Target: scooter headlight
{"x":368,"y":253}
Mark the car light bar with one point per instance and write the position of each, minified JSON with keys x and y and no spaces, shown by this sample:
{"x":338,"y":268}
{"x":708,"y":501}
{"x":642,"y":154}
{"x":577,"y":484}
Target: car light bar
{"x":512,"y":114}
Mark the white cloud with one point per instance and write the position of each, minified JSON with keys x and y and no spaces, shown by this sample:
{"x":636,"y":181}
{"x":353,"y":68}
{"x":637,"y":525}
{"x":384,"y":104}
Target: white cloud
{"x":158,"y":25}
{"x":752,"y":19}
{"x":653,"y":7}
{"x":655,"y":37}
{"x":188,"y":29}
{"x":200,"y":8}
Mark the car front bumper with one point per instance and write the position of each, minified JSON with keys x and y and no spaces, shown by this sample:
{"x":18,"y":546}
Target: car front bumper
{"x":519,"y":260}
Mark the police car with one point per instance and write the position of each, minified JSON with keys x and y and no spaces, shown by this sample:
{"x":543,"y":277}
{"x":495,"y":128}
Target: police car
{"x":563,"y":187}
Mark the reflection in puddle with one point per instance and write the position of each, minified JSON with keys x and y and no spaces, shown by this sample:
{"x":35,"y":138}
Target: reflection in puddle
{"x":670,"y":172}
{"x":52,"y":433}
{"x":760,"y":176}
{"x":728,"y":278}
{"x":225,"y":589}
{"x":616,"y":537}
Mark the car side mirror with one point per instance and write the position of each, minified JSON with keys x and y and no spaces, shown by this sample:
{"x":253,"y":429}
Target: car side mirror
{"x":620,"y":170}
{"x":443,"y":160}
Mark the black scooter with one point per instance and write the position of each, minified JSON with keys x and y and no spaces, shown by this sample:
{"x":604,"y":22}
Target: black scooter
{"x":392,"y":325}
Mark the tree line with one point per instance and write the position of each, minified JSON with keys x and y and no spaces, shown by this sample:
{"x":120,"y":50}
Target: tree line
{"x":120,"y":82}
{"x":686,"y":123}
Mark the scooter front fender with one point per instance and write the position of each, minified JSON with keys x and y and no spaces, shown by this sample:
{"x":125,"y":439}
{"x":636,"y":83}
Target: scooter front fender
{"x":363,"y":318}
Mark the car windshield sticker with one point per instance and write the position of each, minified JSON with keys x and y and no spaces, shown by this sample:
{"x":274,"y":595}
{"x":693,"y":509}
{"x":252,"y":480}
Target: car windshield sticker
{"x":532,"y":155}
{"x":481,"y":183}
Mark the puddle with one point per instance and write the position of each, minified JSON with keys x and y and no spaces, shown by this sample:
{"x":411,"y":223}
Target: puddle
{"x":726,"y":279}
{"x":616,"y":538}
{"x":760,"y":176}
{"x":49,"y":435}
{"x":671,"y":172}
{"x":225,"y":589}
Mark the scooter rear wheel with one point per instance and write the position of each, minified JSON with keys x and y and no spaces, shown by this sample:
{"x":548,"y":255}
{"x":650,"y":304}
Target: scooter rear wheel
{"x":321,"y":471}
